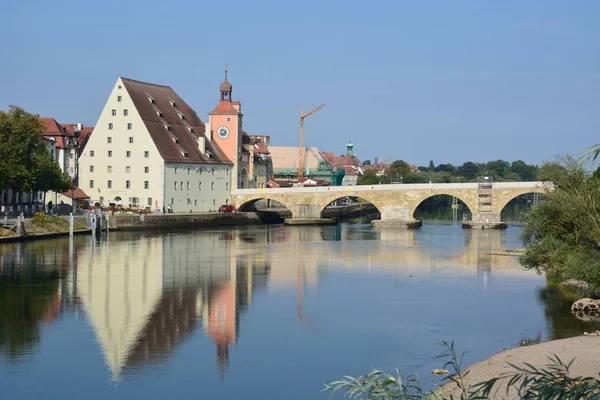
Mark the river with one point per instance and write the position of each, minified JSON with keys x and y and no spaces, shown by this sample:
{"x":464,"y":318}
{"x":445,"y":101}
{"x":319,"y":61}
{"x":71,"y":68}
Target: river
{"x":262,"y":312}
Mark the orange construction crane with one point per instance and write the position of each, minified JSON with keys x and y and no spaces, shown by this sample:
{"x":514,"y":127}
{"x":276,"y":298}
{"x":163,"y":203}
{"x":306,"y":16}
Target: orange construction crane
{"x":301,"y":148}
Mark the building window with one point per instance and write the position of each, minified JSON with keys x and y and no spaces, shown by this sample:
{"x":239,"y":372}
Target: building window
{"x":188,"y":186}
{"x":188,"y":171}
{"x":227,"y":119}
{"x":214,"y":202}
{"x":110,"y":153}
{"x":129,"y":125}
{"x":101,"y":198}
{"x":181,"y":185}
{"x":176,"y":169}
{"x":130,"y":139}
{"x":146,"y":170}
{"x":127,"y":169}
{"x":227,"y":171}
{"x":199,"y":185}
{"x":226,"y":185}
{"x":109,"y":139}
{"x":212,"y":186}
{"x":134,"y":200}
{"x":125,"y":113}
{"x":149,"y":201}
{"x":212,"y":171}
{"x":127,"y":184}
{"x":109,"y":169}
{"x":109,"y":185}
{"x":91,"y":153}
{"x":119,"y":98}
{"x":195,"y":202}
{"x":91,"y":168}
{"x":91,"y":184}
{"x":226,"y":201}
{"x":114,"y":113}
{"x":172,"y":200}
{"x":189,"y":201}
{"x":146,"y":185}
{"x":127,"y":153}
{"x":110,"y":125}
{"x":175,"y":185}
{"x":146,"y":154}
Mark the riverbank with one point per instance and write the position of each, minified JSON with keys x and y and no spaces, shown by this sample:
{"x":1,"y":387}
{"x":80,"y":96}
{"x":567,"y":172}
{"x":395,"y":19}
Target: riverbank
{"x":44,"y":227}
{"x":584,"y":350}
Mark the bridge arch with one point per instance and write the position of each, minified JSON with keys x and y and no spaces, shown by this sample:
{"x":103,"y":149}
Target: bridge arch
{"x":504,"y":199}
{"x":248,"y":202}
{"x":463,"y":197}
{"x":366,"y":196}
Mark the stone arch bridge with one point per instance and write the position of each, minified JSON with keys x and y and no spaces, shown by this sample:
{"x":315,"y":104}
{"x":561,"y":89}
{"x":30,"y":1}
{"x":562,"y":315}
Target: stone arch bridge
{"x":396,"y":202}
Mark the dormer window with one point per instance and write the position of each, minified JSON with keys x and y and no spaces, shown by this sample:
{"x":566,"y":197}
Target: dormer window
{"x":183,"y":153}
{"x":168,"y":127}
{"x":173,"y":103}
{"x":151,"y":99}
{"x":176,"y":140}
{"x":182,"y":117}
{"x":160,"y":115}
{"x":192,"y":130}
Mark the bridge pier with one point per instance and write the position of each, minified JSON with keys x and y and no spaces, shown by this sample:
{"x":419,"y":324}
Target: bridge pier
{"x":485,"y":220}
{"x":396,"y":217}
{"x":308,"y":214}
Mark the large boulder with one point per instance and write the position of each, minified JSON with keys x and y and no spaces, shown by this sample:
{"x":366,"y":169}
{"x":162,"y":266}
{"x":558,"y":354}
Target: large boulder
{"x":586,"y":309}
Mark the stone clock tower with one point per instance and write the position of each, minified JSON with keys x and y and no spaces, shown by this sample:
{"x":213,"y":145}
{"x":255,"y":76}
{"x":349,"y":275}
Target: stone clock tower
{"x":225,"y":123}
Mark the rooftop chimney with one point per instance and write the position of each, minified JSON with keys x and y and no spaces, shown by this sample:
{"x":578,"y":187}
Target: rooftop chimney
{"x":79,"y":126}
{"x":202,"y":144}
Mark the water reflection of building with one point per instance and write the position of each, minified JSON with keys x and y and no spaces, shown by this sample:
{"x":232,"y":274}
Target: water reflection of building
{"x":146,"y":296}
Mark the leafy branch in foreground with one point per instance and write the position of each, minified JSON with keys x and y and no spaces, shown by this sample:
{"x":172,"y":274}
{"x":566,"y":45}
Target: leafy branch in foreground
{"x":529,"y":382}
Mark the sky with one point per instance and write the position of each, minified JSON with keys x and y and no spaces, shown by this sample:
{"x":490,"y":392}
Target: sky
{"x":449,"y":81}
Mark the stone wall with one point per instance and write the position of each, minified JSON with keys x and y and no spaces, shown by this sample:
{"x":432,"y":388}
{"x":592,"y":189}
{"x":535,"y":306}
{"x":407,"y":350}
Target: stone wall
{"x":182,"y":220}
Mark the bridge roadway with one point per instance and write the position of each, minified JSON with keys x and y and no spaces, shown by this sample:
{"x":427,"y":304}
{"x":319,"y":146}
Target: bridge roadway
{"x":396,"y":202}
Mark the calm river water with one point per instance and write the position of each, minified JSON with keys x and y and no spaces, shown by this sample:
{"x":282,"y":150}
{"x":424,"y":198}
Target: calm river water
{"x":267,"y":312}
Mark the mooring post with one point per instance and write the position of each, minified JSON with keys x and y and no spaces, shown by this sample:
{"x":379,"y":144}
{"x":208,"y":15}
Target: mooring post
{"x":107,"y":222}
{"x":70,"y":224}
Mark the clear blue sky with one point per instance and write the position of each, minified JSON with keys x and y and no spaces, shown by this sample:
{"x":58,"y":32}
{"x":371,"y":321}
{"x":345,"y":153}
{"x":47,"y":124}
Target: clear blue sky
{"x":451,"y":81}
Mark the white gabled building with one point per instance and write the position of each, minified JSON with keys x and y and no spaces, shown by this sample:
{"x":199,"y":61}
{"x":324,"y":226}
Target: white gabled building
{"x":149,"y":149}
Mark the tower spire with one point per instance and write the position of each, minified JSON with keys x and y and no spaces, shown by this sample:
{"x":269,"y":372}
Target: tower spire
{"x":226,"y":87}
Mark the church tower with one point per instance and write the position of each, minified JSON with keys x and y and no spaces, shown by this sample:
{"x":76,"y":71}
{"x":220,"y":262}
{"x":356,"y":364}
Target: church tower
{"x":225,"y":124}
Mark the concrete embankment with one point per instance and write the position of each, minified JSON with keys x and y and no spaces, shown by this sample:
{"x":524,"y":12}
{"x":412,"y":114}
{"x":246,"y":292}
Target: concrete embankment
{"x":149,"y":221}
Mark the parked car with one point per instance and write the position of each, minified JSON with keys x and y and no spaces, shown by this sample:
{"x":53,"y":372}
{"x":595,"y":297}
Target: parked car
{"x":227,"y":208}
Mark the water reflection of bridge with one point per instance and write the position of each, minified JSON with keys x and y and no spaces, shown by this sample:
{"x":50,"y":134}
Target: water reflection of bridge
{"x":145,"y":294}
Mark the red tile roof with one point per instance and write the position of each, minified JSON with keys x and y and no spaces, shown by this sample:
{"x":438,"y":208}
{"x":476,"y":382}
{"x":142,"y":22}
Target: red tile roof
{"x":225,"y":107}
{"x":163,"y":97}
{"x":76,"y":194}
{"x":261,"y":148}
{"x":53,"y":128}
{"x":340,"y":161}
{"x":350,"y":170}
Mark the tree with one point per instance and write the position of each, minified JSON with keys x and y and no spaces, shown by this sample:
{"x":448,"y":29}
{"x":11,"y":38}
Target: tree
{"x":398,"y":169}
{"x":20,"y":142}
{"x":431,"y":166}
{"x":48,"y":175}
{"x":366,"y":162}
{"x":498,"y":168}
{"x":446,"y":168}
{"x":525,"y":171}
{"x":562,"y":233}
{"x":469,"y":170}
{"x":368,"y":178}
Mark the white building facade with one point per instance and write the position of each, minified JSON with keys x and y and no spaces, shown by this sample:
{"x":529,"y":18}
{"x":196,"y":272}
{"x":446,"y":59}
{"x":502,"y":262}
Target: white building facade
{"x":149,"y":150}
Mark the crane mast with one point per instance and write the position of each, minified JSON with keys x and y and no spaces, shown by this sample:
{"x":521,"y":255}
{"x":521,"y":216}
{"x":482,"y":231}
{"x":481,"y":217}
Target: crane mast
{"x":301,"y":147}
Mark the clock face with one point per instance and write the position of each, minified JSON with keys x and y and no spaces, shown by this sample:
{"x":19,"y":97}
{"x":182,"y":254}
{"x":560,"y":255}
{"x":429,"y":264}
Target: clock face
{"x":223,"y":132}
